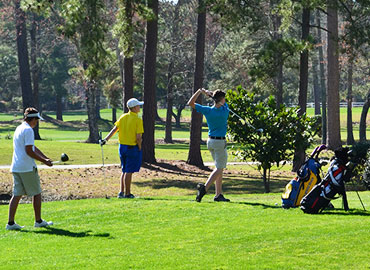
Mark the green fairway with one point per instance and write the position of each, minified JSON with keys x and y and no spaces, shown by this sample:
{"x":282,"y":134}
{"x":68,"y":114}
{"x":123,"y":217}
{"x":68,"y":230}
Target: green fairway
{"x":251,"y":232}
{"x":68,"y":136}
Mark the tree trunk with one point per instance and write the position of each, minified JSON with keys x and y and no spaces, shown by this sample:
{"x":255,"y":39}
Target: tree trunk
{"x":23,"y":60}
{"x":149,"y":113}
{"x":322,"y":80}
{"x":114,"y":115}
{"x":170,"y":72}
{"x":128,"y":65}
{"x":59,"y":107}
{"x":194,"y":155}
{"x":168,"y":134}
{"x":299,"y":152}
{"x":98,"y":96}
{"x":334,"y":140}
{"x":276,"y":20}
{"x":316,"y":87}
{"x":35,"y":71}
{"x":363,"y":118}
{"x":178,"y":116}
{"x":91,"y":112}
{"x":266,"y":182}
{"x":350,"y":138}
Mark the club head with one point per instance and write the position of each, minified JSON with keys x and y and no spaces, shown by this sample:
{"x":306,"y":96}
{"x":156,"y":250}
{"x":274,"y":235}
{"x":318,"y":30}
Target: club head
{"x":260,"y":130}
{"x":64,"y":157}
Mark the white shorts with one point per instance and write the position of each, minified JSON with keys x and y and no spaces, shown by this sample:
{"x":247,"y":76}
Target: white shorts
{"x":27,"y":183}
{"x":218,"y":149}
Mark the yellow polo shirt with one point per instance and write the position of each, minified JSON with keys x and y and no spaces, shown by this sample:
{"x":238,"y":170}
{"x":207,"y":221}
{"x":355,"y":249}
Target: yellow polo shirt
{"x":128,"y":125}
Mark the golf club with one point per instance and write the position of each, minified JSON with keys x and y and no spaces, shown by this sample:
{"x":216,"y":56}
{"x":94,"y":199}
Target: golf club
{"x":240,"y":118}
{"x":63,"y":158}
{"x":102,"y":157}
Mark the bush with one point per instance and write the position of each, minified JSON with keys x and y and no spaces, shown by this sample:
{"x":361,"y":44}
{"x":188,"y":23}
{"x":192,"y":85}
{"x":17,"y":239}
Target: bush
{"x":283,"y":129}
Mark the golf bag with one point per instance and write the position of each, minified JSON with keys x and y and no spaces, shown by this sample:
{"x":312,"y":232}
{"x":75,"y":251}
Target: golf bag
{"x":307,"y":177}
{"x":338,"y":173}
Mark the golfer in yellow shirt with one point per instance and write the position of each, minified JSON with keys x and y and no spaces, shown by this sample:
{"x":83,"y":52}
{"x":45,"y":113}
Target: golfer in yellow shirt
{"x":130,"y":130}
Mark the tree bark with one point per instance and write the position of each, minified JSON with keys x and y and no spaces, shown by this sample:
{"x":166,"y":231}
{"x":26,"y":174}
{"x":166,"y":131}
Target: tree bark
{"x":168,"y":133}
{"x":299,"y":152}
{"x":322,"y":80}
{"x":363,"y":118}
{"x":98,"y":96}
{"x":266,"y":182}
{"x":334,"y":139}
{"x":170,"y":73}
{"x":23,"y":60}
{"x":350,"y":138}
{"x":150,"y":85}
{"x":114,"y":115}
{"x":128,"y":66}
{"x":91,"y":112}
{"x":35,"y":70}
{"x":316,"y":87}
{"x":276,"y":21}
{"x":194,"y":155}
{"x":59,"y":106}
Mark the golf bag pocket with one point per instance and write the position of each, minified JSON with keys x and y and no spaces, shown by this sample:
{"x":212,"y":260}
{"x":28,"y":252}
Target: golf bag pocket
{"x":314,"y":202}
{"x":289,"y":196}
{"x":306,"y":186}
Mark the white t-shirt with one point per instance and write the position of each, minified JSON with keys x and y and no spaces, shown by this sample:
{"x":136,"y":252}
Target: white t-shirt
{"x":23,"y":136}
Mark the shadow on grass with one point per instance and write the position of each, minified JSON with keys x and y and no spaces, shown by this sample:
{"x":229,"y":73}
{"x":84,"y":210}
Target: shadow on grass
{"x":161,"y":184}
{"x":259,"y":204}
{"x":62,"y":232}
{"x":342,"y":212}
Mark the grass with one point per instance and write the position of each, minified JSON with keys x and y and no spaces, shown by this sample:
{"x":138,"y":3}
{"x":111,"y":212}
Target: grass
{"x":174,"y":232}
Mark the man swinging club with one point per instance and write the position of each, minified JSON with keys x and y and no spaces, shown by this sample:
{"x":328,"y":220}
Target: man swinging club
{"x":216,"y":116}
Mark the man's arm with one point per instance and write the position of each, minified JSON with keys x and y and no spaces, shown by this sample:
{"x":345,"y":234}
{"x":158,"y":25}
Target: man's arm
{"x":38,"y":155}
{"x":110,"y":134}
{"x":194,"y":97}
{"x":139,"y":140}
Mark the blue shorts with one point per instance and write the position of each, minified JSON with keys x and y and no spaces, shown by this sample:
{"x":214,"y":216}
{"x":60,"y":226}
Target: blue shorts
{"x":131,"y":158}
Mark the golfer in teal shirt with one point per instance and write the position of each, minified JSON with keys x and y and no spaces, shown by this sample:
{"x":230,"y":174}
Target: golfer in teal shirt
{"x":216,"y":117}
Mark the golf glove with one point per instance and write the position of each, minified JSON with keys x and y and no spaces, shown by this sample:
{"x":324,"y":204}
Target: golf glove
{"x":102,"y":142}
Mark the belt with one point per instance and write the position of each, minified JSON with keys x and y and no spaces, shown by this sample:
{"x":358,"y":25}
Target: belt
{"x":217,"y":138}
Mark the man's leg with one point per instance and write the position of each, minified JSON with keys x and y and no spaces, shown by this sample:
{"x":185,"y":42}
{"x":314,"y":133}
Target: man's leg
{"x":219,"y":183}
{"x":215,"y":175}
{"x":13,"y":205}
{"x":36,"y":200}
{"x":128,"y":178}
{"x":122,"y":182}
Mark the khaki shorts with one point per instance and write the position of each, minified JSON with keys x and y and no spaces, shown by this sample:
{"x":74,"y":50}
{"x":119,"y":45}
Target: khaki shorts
{"x":218,"y":149}
{"x":27,"y":183}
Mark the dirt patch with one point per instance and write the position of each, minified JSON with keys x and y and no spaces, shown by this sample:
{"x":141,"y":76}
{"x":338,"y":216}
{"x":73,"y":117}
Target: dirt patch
{"x":164,"y":178}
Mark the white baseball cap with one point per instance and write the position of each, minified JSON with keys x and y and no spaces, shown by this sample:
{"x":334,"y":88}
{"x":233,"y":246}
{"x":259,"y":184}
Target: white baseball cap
{"x":132,"y":102}
{"x":35,"y":115}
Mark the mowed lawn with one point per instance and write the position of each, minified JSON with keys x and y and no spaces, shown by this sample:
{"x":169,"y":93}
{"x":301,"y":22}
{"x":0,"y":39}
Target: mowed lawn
{"x":173,"y":232}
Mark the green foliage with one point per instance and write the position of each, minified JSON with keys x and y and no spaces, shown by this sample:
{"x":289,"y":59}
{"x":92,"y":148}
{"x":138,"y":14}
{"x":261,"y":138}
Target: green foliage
{"x":85,"y":24}
{"x":282,"y":129}
{"x":130,"y":17}
{"x":8,"y":76}
{"x":271,"y":55}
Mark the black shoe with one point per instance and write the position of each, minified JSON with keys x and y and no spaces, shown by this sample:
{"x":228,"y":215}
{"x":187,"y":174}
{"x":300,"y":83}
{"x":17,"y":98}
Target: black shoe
{"x":201,"y":192}
{"x":220,"y":198}
{"x":130,"y":196}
